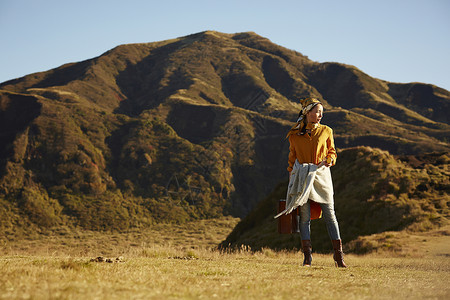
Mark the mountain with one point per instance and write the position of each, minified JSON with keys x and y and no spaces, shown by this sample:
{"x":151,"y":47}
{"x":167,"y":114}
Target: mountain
{"x":186,"y":128}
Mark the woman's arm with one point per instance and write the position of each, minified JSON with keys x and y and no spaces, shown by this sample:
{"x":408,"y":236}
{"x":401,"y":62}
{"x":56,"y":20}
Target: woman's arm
{"x":292,"y":155}
{"x":331,"y":154}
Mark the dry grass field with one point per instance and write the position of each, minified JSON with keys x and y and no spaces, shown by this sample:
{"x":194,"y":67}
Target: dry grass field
{"x":178,"y":262}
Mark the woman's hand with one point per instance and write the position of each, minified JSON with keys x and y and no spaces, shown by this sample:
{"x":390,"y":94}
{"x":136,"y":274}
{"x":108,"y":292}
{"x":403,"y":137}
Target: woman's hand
{"x":326,"y":162}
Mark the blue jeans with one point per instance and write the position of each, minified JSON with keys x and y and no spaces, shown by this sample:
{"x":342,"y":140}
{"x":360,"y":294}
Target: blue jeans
{"x":327,"y":214}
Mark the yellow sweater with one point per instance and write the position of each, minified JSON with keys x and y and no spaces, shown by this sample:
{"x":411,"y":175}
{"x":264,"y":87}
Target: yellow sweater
{"x":312,"y":148}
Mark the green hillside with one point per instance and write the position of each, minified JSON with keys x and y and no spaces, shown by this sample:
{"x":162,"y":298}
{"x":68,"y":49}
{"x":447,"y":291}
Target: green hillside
{"x":186,"y":129}
{"x":375,"y":192}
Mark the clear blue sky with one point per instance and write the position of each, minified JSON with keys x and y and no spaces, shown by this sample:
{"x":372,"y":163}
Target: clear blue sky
{"x":394,"y":40}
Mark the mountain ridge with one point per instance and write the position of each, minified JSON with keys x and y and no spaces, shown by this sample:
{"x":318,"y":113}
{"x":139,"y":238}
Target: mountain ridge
{"x":188,"y":128}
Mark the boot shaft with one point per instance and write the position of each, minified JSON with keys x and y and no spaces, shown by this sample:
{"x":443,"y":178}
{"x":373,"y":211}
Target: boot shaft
{"x":307,"y":249}
{"x":338,"y":255}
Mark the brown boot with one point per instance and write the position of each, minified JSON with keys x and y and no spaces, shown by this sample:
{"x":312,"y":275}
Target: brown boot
{"x":338,"y":254}
{"x":307,"y":249}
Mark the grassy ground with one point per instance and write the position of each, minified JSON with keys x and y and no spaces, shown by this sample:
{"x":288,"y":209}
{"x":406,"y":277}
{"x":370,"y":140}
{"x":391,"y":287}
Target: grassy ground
{"x":202,"y":234}
{"x":163,"y":266}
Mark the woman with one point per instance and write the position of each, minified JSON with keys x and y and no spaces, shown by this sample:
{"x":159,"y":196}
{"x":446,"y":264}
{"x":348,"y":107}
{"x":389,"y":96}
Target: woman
{"x":313,"y":143}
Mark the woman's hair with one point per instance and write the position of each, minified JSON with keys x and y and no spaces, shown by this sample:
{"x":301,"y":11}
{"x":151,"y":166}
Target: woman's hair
{"x":306,"y":105}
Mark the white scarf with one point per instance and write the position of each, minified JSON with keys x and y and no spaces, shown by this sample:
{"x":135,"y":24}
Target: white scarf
{"x":308,"y":181}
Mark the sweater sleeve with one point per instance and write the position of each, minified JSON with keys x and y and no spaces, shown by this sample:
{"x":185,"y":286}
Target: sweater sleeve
{"x":331,"y":149}
{"x":292,"y":154}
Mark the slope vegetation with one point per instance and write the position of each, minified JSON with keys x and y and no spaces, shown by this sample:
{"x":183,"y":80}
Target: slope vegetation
{"x":375,"y":192}
{"x":185,"y":129}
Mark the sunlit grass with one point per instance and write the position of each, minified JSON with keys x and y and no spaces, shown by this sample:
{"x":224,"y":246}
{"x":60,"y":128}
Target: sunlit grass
{"x":181,"y":262}
{"x":171,"y":273}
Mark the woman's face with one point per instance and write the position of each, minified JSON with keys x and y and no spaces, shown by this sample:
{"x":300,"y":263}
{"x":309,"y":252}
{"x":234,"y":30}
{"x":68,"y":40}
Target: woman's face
{"x":315,"y":114}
